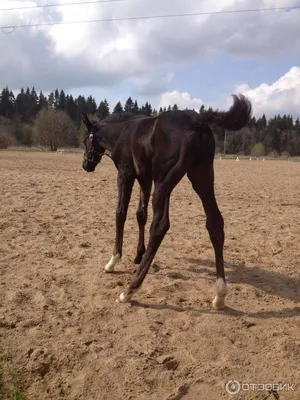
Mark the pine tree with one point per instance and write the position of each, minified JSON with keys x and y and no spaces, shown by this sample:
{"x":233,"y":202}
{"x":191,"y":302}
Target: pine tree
{"x":56,"y":99}
{"x":81,"y":107}
{"x":129,"y":105}
{"x":42,"y":102}
{"x":147,"y":109}
{"x":62,"y":101}
{"x":253,"y":122}
{"x":29,"y":105}
{"x":7,"y":103}
{"x":71,"y":107}
{"x":20,"y":104}
{"x":51,"y":100}
{"x":118,"y":108}
{"x":103,"y":109}
{"x":33,"y":103}
{"x":91,"y":106}
{"x":136,"y":107}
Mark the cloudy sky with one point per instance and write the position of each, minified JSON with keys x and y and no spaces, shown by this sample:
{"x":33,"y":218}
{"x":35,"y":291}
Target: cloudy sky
{"x":190,"y":61}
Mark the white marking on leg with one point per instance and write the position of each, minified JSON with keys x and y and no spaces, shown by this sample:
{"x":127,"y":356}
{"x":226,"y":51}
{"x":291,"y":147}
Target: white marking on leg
{"x":109,"y":267}
{"x":222,"y":290}
{"x":125,"y":297}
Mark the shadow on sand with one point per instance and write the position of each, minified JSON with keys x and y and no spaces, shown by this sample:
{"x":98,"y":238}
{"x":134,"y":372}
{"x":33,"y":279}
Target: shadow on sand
{"x":273,"y":283}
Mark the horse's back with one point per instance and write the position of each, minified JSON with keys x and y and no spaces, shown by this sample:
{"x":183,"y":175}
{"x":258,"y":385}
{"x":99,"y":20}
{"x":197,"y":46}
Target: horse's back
{"x":159,"y":140}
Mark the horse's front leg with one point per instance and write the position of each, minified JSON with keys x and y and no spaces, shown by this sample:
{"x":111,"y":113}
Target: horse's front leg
{"x":159,"y":227}
{"x":125,"y":185}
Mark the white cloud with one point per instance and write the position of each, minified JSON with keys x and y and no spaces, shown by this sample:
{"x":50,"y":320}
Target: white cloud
{"x":183,"y":100}
{"x":107,"y":53}
{"x":280,"y":97}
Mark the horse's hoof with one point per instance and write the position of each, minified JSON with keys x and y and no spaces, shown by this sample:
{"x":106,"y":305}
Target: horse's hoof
{"x":218,"y":303}
{"x":110,"y":266}
{"x":124,"y":298}
{"x":222,"y":290}
{"x":138,"y":258}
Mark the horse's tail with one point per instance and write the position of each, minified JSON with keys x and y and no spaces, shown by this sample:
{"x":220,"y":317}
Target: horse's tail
{"x":234,"y":119}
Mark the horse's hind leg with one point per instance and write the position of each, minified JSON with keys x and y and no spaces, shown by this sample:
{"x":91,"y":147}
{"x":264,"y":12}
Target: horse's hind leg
{"x":125,"y":185}
{"x":202,"y":179}
{"x":141,"y":216}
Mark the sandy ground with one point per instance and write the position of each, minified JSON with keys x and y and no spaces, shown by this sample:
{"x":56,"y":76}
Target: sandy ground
{"x":64,"y":336}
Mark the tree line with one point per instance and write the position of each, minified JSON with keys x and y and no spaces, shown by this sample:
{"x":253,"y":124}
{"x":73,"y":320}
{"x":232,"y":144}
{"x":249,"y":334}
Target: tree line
{"x":31,"y":118}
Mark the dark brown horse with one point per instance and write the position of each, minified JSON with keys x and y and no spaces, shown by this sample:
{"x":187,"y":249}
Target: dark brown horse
{"x":163,"y":149}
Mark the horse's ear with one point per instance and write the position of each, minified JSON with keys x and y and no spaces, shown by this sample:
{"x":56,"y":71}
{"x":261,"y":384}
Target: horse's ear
{"x":86,"y":120}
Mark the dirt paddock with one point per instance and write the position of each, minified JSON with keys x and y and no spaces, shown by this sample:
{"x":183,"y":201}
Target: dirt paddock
{"x":63,"y":336}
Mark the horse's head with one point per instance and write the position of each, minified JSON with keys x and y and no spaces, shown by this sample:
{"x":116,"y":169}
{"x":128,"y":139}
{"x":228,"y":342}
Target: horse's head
{"x":93,"y":152}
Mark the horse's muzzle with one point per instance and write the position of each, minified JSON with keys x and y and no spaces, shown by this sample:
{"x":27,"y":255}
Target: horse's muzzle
{"x":88,"y":166}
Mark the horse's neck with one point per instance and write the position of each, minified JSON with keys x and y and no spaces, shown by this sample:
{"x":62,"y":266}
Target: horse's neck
{"x":108,"y":138}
